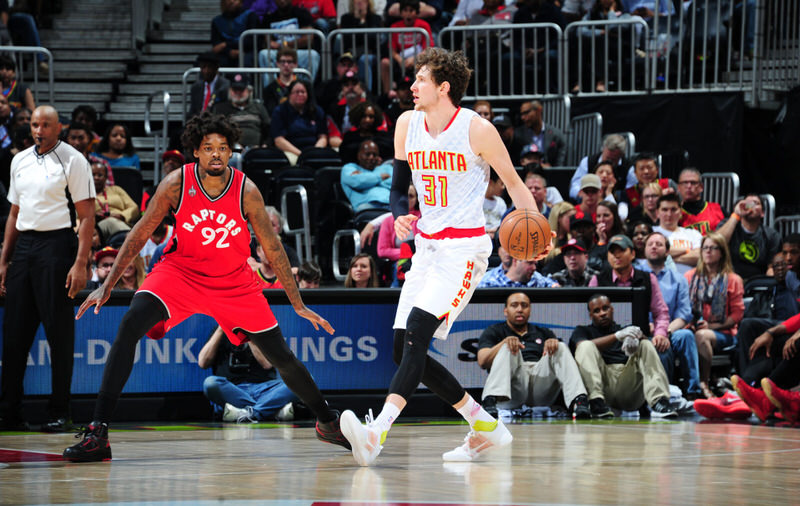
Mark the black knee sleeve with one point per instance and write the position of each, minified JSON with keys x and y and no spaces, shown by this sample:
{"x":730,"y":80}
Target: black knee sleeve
{"x":397,"y":345}
{"x":419,"y":331}
{"x":273,"y":345}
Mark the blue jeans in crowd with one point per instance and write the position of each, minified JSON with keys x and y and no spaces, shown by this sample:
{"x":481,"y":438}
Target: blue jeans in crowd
{"x":266,"y":398}
{"x":684,"y":347}
{"x":23,"y":30}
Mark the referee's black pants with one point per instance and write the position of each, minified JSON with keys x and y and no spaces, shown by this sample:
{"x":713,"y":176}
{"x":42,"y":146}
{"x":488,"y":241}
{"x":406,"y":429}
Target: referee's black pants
{"x":35,"y":293}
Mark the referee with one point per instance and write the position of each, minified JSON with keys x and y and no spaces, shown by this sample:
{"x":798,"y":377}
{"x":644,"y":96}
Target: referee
{"x":43,"y":264}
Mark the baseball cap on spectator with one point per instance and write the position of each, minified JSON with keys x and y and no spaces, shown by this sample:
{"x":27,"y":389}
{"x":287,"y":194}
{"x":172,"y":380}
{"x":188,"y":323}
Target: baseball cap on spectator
{"x":173,"y":154}
{"x":576,"y":244}
{"x":591,"y":181}
{"x":108,"y":251}
{"x":501,"y":120}
{"x":404,"y":82}
{"x":240,"y":82}
{"x":346,"y":56}
{"x":621,"y":240}
{"x":531,"y":148}
{"x":207,"y":57}
{"x":582,"y":219}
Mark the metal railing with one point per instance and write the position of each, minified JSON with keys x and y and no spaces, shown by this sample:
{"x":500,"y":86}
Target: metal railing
{"x":18,"y":53}
{"x":302,"y":234}
{"x":283,"y":37}
{"x":510,"y":61}
{"x":721,"y":187}
{"x":257,"y":90}
{"x":336,"y":259}
{"x":585,"y":136}
{"x":160,"y":137}
{"x":345,"y":39}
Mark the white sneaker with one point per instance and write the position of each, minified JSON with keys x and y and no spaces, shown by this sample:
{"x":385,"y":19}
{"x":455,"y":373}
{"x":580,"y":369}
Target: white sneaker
{"x":286,"y":413}
{"x":365,"y":439}
{"x":232,"y":414}
{"x":479,"y":440}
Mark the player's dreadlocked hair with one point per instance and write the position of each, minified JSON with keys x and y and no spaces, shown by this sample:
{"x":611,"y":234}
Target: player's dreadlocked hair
{"x":450,"y":66}
{"x":205,"y":124}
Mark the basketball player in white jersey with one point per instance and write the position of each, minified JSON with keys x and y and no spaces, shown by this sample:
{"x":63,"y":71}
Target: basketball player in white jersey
{"x":446,"y":151}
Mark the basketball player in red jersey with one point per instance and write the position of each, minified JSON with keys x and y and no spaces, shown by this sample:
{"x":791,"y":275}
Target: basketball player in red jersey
{"x":204,"y":270}
{"x":446,"y":151}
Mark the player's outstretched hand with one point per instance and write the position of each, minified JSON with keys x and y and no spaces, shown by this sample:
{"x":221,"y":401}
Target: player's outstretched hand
{"x":315,"y":319}
{"x":402,"y":226}
{"x":97,"y":298}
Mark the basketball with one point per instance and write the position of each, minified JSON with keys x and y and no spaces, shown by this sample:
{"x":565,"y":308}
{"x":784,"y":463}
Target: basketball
{"x":524,"y":234}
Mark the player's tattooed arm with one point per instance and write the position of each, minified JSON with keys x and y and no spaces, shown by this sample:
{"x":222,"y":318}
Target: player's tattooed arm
{"x":273,"y":249}
{"x":167,"y":197}
{"x":271,"y":244}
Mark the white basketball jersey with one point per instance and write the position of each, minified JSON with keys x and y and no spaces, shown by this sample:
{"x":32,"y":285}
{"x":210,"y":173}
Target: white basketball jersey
{"x":450,"y":179}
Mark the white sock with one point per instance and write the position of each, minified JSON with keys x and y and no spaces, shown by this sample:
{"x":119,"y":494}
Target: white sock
{"x":387,"y":416}
{"x":473,"y":412}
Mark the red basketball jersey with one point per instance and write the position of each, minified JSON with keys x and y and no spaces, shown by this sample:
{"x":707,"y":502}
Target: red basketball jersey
{"x":211,"y":234}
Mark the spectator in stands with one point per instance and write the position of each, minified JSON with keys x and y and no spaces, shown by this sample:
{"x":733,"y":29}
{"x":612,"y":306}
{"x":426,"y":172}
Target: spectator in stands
{"x":22,"y":117}
{"x":752,"y":244}
{"x":154,"y":247}
{"x":210,"y":88}
{"x":697,"y":212}
{"x":278,"y":89}
{"x":613,"y":151}
{"x":675,"y":291}
{"x":559,"y":218}
{"x":646,"y":170}
{"x":367,"y":46}
{"x":608,"y":224}
{"x":79,"y":136}
{"x":527,"y":364}
{"x":309,"y":275}
{"x":589,"y":195}
{"x":465,"y":11}
{"x":622,"y":273}
{"x":86,"y":115}
{"x":250,"y":116}
{"x":494,"y":207}
{"x":226,"y":29}
{"x":639,"y":234}
{"x":548,"y":138}
{"x":684,"y":242}
{"x":244,"y":386}
{"x":290,"y":18}
{"x":362,"y":272}
{"x":483,"y":108}
{"x":403,"y":101}
{"x":22,"y":29}
{"x":5,"y":123}
{"x":20,"y":140}
{"x":115,"y":211}
{"x":103,"y":261}
{"x":619,"y":366}
{"x":405,"y":46}
{"x":18,"y":94}
{"x":506,"y":130}
{"x":367,"y":183}
{"x":352,"y":93}
{"x":117,"y":147}
{"x":323,"y":13}
{"x":299,"y":122}
{"x":133,"y":275}
{"x":430,"y":11}
{"x":716,"y":294}
{"x":767,"y":309}
{"x":581,"y":227}
{"x":170,"y":160}
{"x":368,"y":124}
{"x":330,"y":92}
{"x":576,"y":258}
{"x":648,"y":211}
{"x":609,"y":190}
{"x":388,"y":244}
{"x":267,"y":276}
{"x":522,"y":273}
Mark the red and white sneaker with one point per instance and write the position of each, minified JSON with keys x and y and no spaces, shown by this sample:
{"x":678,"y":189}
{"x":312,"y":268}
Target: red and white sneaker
{"x":755,"y":398}
{"x":727,"y":406}
{"x":787,"y":402}
{"x":483,"y":436}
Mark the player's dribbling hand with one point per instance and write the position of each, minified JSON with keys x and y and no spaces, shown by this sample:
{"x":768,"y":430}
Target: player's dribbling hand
{"x":97,"y":298}
{"x":402,"y":226}
{"x":316,"y":320}
{"x":547,"y":250}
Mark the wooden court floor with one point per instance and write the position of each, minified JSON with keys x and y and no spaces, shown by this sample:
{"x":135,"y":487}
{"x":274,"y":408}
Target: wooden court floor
{"x":609,"y":462}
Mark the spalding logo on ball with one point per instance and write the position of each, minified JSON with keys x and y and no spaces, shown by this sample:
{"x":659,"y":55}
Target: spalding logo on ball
{"x":524,"y":234}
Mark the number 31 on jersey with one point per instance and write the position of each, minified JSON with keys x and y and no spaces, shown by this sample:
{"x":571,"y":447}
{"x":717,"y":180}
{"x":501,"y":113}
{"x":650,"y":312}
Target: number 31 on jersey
{"x":435,"y":190}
